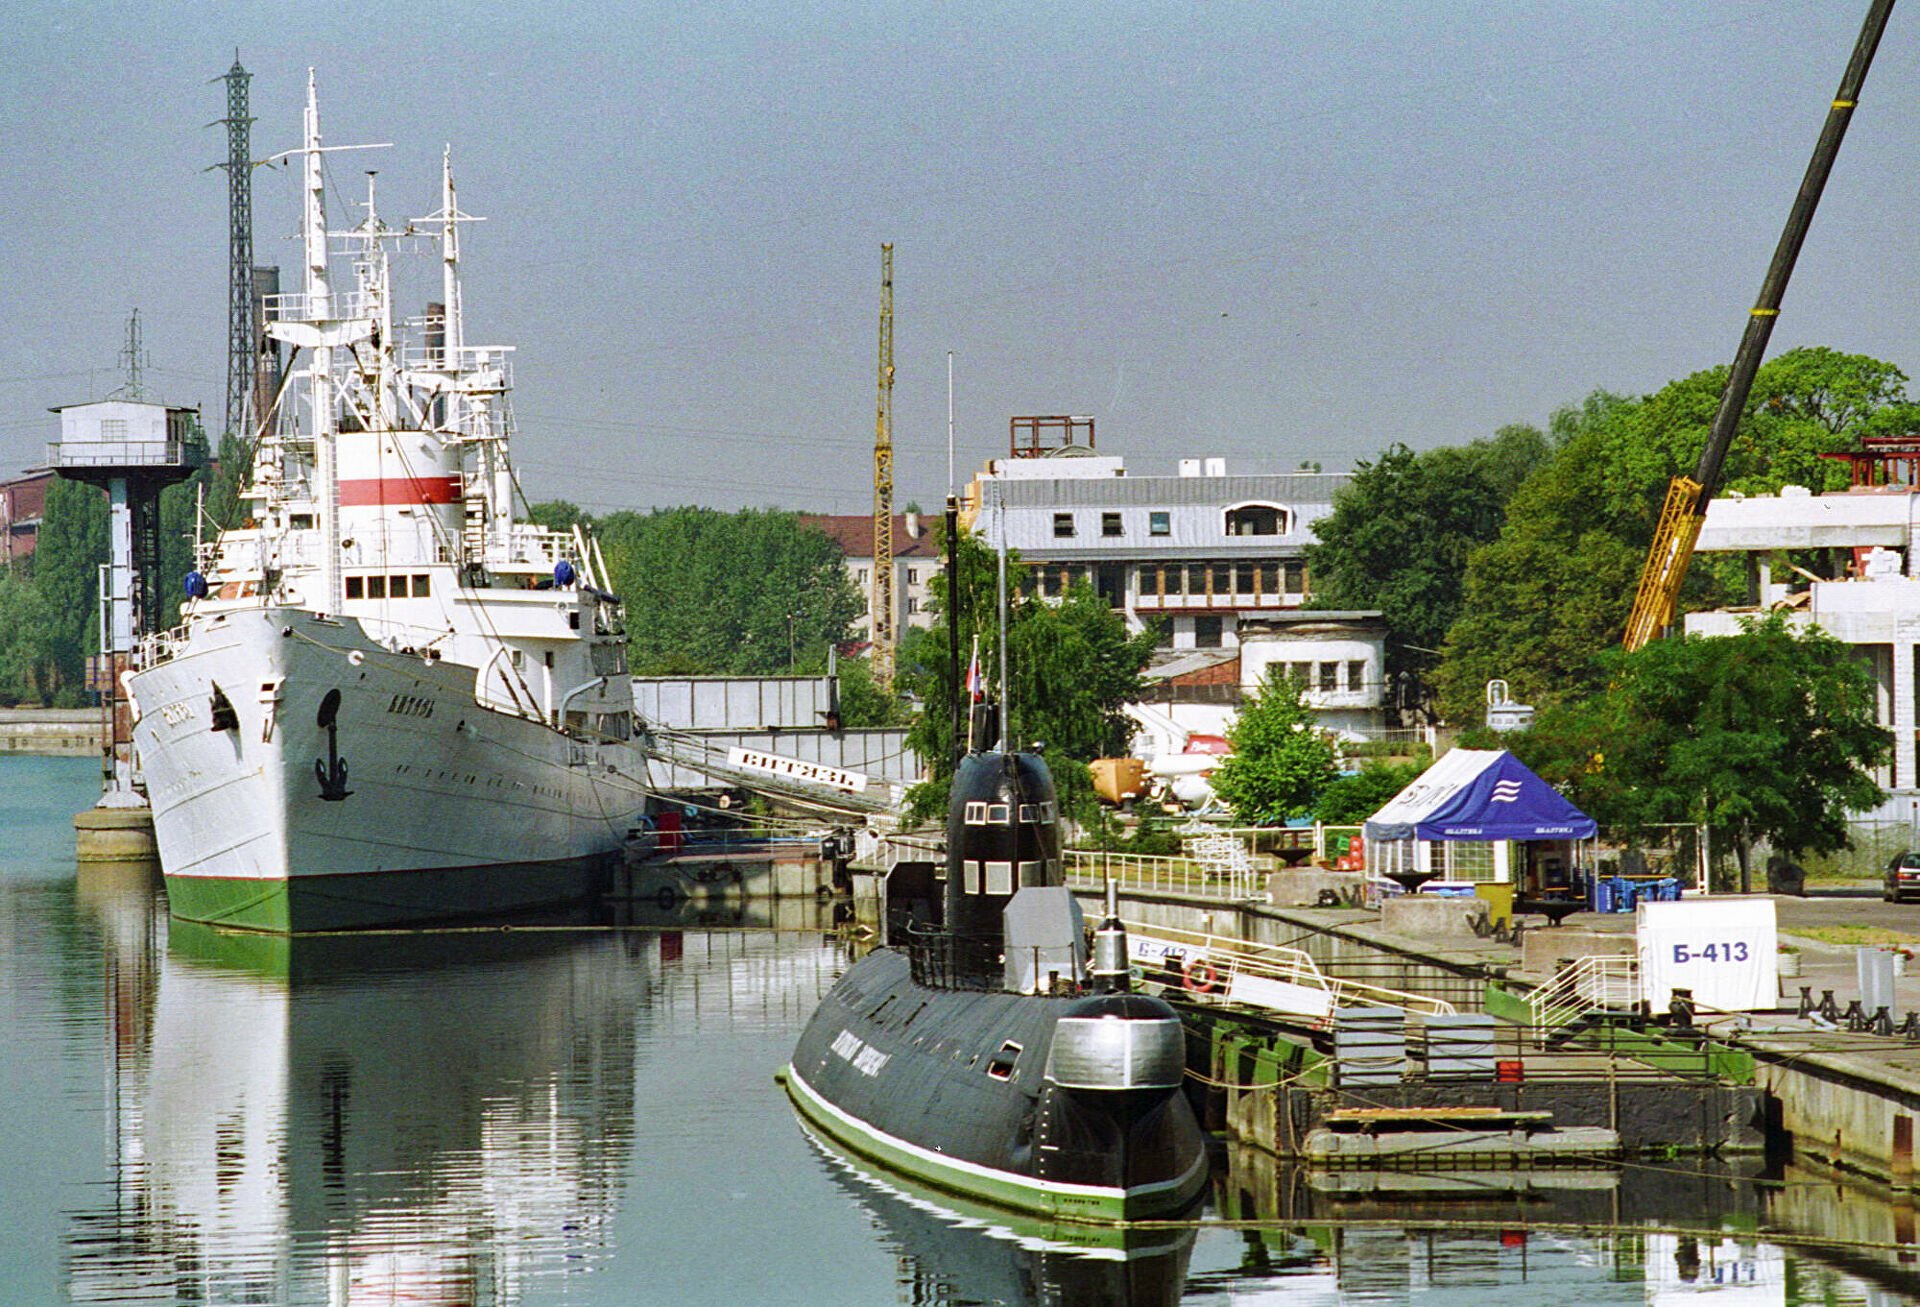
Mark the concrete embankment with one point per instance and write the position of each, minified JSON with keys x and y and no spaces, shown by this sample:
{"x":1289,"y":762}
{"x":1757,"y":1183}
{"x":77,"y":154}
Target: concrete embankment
{"x":64,"y":732}
{"x":1850,"y":1099}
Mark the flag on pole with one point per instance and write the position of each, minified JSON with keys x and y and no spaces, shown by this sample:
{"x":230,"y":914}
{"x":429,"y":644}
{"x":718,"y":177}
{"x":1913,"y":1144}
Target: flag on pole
{"x":976,"y":683}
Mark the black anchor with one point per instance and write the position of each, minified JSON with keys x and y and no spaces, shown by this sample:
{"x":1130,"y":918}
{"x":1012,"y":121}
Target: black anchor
{"x":332,"y":772}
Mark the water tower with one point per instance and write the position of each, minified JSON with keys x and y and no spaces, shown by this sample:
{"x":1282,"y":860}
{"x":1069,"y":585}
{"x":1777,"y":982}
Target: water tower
{"x":133,"y":450}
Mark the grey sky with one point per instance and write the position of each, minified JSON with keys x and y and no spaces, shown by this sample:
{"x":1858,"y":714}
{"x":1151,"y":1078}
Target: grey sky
{"x":1272,"y":231}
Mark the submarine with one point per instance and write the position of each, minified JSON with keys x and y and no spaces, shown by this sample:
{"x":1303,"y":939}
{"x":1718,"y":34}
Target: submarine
{"x":990,"y":1053}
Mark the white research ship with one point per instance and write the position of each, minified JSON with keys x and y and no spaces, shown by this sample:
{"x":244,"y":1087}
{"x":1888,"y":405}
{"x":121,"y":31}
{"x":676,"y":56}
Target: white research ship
{"x":388,"y":701}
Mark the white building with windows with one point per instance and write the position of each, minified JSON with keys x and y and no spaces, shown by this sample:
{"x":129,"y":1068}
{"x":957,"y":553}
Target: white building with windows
{"x":1203,"y":551}
{"x":1851,"y":567}
{"x":1340,"y":657}
{"x":915,"y":561}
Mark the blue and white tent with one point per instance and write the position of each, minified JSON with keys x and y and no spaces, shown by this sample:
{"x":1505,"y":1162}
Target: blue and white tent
{"x":1479,"y":794}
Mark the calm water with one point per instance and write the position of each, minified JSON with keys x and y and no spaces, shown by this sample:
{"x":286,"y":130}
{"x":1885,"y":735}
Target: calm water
{"x":589,"y":1117}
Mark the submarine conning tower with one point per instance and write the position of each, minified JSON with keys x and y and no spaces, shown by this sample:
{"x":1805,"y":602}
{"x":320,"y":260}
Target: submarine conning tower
{"x":1003,"y":834}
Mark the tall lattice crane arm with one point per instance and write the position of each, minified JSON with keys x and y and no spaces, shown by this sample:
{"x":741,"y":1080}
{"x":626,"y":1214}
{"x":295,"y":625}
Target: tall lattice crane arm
{"x":1685,"y":510}
{"x":884,"y":635}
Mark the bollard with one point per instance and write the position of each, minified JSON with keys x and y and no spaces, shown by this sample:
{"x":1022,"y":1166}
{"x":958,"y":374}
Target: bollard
{"x":1882,"y":1020}
{"x":1856,"y":1017}
{"x":1828,"y":1008}
{"x":1911,"y":1027}
{"x":1806,"y":1002}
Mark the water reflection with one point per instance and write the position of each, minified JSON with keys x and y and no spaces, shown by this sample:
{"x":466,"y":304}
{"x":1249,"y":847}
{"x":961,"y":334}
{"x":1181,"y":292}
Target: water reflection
{"x":483,"y":1117}
{"x":357,"y":1119}
{"x":952,"y":1252}
{"x":1638,"y":1233}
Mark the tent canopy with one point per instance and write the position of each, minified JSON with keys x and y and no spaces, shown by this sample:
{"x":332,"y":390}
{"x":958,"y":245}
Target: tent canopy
{"x":1479,"y":794}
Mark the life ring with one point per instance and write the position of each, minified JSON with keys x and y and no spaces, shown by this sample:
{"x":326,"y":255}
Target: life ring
{"x":1202,"y":977}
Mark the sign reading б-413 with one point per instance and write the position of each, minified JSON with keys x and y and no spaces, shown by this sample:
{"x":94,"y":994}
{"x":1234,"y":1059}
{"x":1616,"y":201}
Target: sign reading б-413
{"x":1725,"y":950}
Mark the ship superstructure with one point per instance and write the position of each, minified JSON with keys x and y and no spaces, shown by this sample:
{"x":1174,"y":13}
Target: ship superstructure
{"x":388,"y":699}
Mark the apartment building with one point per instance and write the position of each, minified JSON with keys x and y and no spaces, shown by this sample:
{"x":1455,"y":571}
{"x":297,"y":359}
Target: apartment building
{"x":915,"y":560}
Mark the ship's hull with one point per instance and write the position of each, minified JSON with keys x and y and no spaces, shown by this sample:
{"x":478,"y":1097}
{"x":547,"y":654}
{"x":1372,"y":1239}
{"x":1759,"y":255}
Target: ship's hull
{"x":332,"y":784}
{"x":898,"y":1072}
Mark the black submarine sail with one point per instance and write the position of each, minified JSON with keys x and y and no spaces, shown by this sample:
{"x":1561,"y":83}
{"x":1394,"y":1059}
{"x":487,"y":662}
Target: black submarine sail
{"x":989,"y":1055}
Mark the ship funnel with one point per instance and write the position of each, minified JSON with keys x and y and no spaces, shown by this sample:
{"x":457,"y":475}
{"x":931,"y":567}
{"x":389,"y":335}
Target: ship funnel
{"x":1110,"y":966}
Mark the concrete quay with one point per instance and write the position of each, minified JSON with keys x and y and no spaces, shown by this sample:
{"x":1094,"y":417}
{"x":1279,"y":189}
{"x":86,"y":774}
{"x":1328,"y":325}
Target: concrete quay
{"x":59,"y":732}
{"x":1845,"y":1099}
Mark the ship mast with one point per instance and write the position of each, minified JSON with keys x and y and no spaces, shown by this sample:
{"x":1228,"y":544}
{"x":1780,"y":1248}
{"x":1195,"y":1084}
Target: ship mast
{"x":319,"y":308}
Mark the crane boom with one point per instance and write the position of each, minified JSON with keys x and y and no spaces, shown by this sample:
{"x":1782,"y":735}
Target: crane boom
{"x":1685,"y":510}
{"x":884,"y":634}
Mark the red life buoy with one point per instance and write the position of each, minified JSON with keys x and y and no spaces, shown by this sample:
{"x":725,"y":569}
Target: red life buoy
{"x":1202,"y":977}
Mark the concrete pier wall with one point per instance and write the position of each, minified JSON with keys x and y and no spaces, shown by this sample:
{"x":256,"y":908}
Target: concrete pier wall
{"x":1855,"y":1113}
{"x":62,"y":732}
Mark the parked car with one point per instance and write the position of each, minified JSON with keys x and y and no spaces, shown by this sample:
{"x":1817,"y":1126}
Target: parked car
{"x":1903,"y":878}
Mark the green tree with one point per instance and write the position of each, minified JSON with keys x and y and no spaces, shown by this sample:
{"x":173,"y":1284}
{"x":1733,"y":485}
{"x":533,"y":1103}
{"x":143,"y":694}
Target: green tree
{"x":1400,"y":534}
{"x":1071,"y":664}
{"x":558,"y":515}
{"x":751,"y":593}
{"x":27,"y":667}
{"x":66,"y":565}
{"x":1350,"y":800}
{"x":862,"y":702}
{"x":1281,"y":759}
{"x":1769,"y":734}
{"x":1544,"y":600}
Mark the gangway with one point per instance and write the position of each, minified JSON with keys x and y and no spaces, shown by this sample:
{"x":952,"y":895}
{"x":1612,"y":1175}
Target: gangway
{"x":1276,"y":978}
{"x":695,"y":754}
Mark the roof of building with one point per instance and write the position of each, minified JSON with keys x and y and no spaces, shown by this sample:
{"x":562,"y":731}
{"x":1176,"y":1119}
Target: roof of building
{"x":853,"y":532}
{"x":1189,"y":661}
{"x":1163,"y":492}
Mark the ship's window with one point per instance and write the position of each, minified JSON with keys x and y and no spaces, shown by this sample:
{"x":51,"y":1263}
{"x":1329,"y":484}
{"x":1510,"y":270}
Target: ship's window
{"x":1030,"y":812}
{"x":396,"y":587}
{"x":999,"y":878}
{"x":300,"y":521}
{"x":971,"y":870}
{"x":356,"y":588}
{"x":940,"y":869}
{"x":1159,"y":523}
{"x":1110,"y":524}
{"x":422,"y":587}
{"x":1001,"y":1065}
{"x":999,"y":814}
{"x":376,"y":587}
{"x":518,"y":657}
{"x":1030,"y":873}
{"x":1062,"y":525}
{"x":976,"y":814}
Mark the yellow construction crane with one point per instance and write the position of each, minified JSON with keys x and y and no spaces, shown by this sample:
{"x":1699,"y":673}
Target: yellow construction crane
{"x":1685,"y":510}
{"x":884,"y":633}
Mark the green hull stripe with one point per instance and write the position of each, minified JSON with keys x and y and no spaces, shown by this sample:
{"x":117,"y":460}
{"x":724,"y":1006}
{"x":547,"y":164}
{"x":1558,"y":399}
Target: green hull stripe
{"x":230,"y":901}
{"x":1074,"y":1202}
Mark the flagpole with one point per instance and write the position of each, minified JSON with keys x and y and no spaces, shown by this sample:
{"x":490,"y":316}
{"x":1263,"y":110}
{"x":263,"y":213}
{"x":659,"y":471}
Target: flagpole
{"x":973,"y":694}
{"x":1000,"y":591}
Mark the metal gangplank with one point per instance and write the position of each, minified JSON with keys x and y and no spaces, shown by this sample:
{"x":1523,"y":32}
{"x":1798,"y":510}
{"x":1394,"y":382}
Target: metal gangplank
{"x":689,"y":751}
{"x":1271,"y":977}
{"x":1581,"y":989}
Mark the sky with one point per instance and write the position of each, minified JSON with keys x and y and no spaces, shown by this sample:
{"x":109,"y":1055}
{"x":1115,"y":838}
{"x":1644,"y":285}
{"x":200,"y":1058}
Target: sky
{"x":1275,"y":232}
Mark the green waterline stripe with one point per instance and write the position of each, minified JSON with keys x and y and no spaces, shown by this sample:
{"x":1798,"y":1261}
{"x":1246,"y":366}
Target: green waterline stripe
{"x":1024,"y":1190}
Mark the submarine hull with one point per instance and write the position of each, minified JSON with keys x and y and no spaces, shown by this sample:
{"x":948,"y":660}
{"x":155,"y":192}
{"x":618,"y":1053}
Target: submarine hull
{"x":964,"y":1089}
